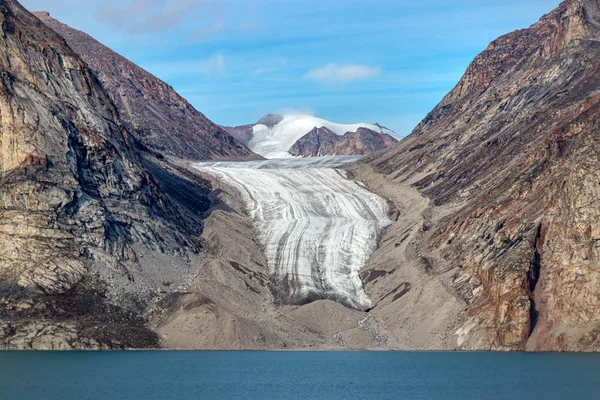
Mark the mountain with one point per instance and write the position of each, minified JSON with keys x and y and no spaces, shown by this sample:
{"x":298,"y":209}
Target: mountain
{"x":149,"y":108}
{"x":105,"y":244}
{"x":495,"y":198}
{"x":90,"y":227}
{"x":324,"y":142}
{"x":275,"y":135}
{"x":506,"y":170}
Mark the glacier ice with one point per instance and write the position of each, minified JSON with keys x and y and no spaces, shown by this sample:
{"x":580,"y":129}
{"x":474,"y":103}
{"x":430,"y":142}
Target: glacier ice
{"x":316,"y":227}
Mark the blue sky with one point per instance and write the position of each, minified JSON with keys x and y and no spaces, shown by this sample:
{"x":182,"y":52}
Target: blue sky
{"x":386,"y":61}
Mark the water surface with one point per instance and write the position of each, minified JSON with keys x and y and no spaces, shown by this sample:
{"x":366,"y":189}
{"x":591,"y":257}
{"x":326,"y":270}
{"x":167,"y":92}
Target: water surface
{"x":297,"y":375}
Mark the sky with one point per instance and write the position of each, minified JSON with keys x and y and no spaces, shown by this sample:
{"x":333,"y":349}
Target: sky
{"x":348,"y":61}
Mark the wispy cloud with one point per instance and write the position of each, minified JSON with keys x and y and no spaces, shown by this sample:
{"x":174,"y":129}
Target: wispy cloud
{"x":263,"y":71}
{"x":144,"y":16}
{"x":273,"y":67}
{"x":214,"y":65}
{"x":333,"y":73}
{"x":160,"y":16}
{"x":250,"y":25}
{"x":205,"y":31}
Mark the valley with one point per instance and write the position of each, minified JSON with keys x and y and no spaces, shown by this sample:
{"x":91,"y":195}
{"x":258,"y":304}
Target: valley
{"x":128,"y":219}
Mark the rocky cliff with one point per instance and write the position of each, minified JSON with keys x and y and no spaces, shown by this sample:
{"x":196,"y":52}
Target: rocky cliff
{"x":324,"y":142}
{"x":86,"y":220}
{"x":149,"y":108}
{"x":508,"y":161}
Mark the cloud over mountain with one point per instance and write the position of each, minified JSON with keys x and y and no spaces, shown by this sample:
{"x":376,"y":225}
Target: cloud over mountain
{"x":333,"y":73}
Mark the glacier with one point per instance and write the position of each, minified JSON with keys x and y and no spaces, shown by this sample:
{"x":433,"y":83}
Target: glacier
{"x":316,"y":227}
{"x":277,"y":140}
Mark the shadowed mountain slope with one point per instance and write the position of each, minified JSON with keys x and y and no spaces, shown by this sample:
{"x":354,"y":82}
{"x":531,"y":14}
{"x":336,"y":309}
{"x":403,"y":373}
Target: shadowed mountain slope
{"x":83,"y":221}
{"x":149,"y":108}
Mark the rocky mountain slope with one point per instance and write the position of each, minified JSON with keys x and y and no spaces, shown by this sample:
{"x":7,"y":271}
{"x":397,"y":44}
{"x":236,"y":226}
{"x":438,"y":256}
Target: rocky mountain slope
{"x":149,"y":108}
{"x":508,"y":162}
{"x":494,"y":197}
{"x":105,"y":244}
{"x":324,"y":142}
{"x":90,"y":228}
{"x":280,"y":136}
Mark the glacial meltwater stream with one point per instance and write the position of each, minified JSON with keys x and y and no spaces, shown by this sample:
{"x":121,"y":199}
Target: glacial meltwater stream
{"x":317,"y":228}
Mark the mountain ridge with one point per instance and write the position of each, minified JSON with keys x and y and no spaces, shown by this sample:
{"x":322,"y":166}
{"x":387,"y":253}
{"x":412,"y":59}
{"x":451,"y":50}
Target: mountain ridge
{"x":324,"y":142}
{"x":506,"y":161}
{"x":150,"y":108}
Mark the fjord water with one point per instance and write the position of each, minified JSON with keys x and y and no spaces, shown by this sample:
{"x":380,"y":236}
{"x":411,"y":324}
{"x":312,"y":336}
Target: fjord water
{"x":298,"y":375}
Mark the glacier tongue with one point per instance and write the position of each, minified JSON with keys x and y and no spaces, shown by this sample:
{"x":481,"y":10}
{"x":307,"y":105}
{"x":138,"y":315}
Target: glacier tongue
{"x":317,"y":228}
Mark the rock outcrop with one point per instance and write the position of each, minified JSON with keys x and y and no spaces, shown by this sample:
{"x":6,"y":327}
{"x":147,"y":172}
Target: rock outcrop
{"x":508,"y":160}
{"x":149,"y":108}
{"x":324,"y":142}
{"x":85,"y":217}
{"x":495,"y":243}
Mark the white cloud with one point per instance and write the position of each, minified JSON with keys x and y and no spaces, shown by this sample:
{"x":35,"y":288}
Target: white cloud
{"x":214,"y":65}
{"x":333,"y":73}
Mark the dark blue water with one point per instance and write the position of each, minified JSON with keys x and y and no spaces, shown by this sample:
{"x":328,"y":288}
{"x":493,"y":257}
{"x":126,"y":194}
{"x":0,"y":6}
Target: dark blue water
{"x":297,"y":375}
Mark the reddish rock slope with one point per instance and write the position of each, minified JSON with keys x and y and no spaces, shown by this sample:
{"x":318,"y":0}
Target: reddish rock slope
{"x":509,"y":160}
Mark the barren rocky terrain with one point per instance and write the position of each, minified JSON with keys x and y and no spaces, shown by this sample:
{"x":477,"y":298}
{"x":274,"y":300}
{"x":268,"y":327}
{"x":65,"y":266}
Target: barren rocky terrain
{"x":86,"y":219}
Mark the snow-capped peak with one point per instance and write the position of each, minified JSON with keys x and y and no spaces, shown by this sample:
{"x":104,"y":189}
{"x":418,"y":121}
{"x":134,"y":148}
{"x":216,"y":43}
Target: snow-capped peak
{"x":276,"y":140}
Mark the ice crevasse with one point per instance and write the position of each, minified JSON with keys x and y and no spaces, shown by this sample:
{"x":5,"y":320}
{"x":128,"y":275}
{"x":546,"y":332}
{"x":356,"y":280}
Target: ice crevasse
{"x":317,"y":228}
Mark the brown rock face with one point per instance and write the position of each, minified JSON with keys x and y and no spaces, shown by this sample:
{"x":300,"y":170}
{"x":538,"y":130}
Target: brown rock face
{"x":324,"y":142}
{"x":509,"y":160}
{"x":317,"y":142}
{"x":79,"y":206}
{"x":149,"y":108}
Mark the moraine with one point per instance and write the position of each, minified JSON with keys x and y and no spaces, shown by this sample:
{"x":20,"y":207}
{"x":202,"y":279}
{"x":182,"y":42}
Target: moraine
{"x":317,"y":228}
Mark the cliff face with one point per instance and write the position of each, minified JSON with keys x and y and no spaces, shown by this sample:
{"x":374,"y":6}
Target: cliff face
{"x":149,"y":108}
{"x":509,"y":162}
{"x":78,"y":209}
